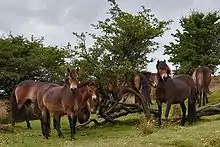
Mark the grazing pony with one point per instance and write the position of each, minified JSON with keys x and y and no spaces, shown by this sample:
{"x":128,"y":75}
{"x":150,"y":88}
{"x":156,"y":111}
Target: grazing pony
{"x":202,"y":78}
{"x":175,"y":91}
{"x":62,"y":100}
{"x":143,"y":82}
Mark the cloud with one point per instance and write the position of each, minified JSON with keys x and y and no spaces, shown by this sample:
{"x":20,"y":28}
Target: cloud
{"x":56,"y":20}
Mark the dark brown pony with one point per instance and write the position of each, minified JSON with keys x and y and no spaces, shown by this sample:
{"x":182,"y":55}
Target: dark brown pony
{"x":24,"y":95}
{"x":175,"y":91}
{"x":202,"y":78}
{"x":143,"y":82}
{"x":62,"y":100}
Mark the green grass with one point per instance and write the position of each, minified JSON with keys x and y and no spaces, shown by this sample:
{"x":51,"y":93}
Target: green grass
{"x":125,"y":133}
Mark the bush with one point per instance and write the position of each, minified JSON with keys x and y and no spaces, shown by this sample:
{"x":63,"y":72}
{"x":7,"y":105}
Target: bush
{"x":147,"y":126}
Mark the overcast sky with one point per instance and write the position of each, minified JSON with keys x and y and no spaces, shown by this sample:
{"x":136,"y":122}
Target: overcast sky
{"x":56,"y":19}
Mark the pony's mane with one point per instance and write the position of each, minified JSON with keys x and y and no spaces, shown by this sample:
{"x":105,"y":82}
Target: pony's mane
{"x":85,"y":83}
{"x":146,"y":72}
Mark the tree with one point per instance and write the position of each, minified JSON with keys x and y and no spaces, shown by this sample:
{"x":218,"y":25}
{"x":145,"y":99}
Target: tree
{"x":198,"y":43}
{"x":121,"y":48}
{"x":22,"y":59}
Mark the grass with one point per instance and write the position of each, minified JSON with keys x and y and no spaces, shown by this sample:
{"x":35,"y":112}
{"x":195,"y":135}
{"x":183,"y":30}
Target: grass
{"x":127,"y":132}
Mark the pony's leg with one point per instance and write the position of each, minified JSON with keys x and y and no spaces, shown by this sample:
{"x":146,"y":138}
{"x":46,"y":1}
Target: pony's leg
{"x":46,"y":123}
{"x":54,"y":122}
{"x":200,"y":98}
{"x":159,"y":104}
{"x":182,"y":105}
{"x":42,"y":126}
{"x":57,"y":125}
{"x":72,"y":121}
{"x":27,"y":115}
{"x":13,"y":122}
{"x":167,"y":111}
{"x":204,"y":97}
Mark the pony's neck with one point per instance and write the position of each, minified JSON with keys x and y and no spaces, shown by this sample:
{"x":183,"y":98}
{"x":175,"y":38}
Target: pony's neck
{"x":160,"y":80}
{"x":68,"y":93}
{"x":84,"y":94}
{"x":81,"y":96}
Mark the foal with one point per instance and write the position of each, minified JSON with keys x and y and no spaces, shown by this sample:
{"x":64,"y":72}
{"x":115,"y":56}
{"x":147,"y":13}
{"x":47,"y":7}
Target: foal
{"x":175,"y":91}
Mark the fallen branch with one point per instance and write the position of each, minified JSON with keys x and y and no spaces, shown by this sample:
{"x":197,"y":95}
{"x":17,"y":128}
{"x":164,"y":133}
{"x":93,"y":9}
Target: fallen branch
{"x":207,"y":111}
{"x":88,"y":122}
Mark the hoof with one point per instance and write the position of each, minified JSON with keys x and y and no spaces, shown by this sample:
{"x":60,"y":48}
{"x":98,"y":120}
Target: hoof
{"x":61,"y":136}
{"x":72,"y":139}
{"x":182,"y":123}
{"x":13,"y":123}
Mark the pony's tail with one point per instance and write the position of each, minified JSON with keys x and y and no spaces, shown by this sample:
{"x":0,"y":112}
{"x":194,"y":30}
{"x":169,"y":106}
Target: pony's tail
{"x":192,"y":106}
{"x":145,"y":88}
{"x":13,"y":106}
{"x":206,"y":83}
{"x":48,"y":120}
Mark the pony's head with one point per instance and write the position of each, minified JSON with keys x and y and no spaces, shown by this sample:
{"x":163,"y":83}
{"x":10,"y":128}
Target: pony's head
{"x":91,"y":90}
{"x":163,"y":70}
{"x":94,"y":104}
{"x":72,"y":75}
{"x":152,"y":78}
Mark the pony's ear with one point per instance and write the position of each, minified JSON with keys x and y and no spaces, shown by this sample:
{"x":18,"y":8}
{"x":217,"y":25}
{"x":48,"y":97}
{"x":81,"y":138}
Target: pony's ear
{"x":68,"y":70}
{"x":164,"y":60}
{"x":148,"y":73}
{"x":77,"y":70}
{"x":158,"y":61}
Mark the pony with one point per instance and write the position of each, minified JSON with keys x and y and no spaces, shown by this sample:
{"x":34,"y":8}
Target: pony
{"x":175,"y":91}
{"x":24,"y":96}
{"x":202,"y":78}
{"x":92,"y":107}
{"x":63,"y":100}
{"x":143,"y":82}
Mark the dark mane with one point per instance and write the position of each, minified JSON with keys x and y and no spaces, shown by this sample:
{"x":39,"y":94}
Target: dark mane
{"x":146,"y":73}
{"x":162,"y":65}
{"x":84,"y":83}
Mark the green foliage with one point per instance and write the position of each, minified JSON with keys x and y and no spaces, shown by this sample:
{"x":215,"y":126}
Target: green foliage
{"x":122,"y":46}
{"x":22,"y":59}
{"x":198,"y":43}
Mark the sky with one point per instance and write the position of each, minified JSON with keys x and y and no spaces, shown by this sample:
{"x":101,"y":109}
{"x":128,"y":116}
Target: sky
{"x":56,"y":19}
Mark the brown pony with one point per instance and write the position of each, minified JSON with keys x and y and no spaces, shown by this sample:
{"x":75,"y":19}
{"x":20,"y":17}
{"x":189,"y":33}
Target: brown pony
{"x":92,"y":107}
{"x":62,"y":100}
{"x":143,"y":82}
{"x":24,"y":95}
{"x":202,"y":78}
{"x":175,"y":91}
